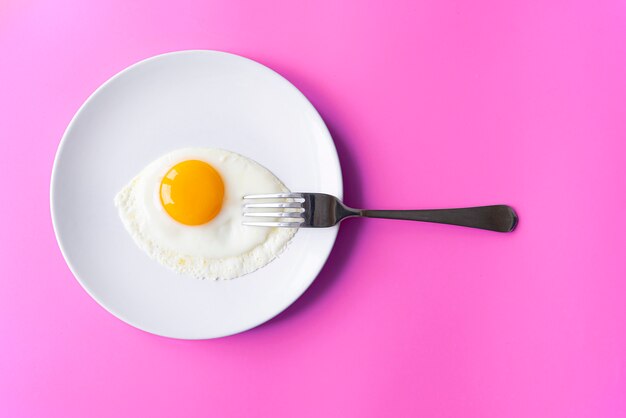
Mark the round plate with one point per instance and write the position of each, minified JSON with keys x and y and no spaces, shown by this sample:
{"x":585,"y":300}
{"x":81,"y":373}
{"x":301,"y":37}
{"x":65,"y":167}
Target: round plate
{"x":176,"y":100}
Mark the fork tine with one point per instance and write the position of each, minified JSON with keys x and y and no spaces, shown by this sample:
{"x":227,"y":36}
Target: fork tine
{"x":246,"y":209}
{"x":273,"y":214}
{"x":273,"y":205}
{"x":274,"y":196}
{"x":280,"y":224}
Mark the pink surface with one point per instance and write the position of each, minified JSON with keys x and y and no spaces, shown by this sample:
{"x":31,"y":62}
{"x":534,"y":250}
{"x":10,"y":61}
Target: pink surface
{"x":432,"y":104}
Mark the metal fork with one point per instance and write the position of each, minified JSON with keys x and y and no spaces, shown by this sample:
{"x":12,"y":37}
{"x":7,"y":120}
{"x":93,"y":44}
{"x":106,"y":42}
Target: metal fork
{"x":319,"y":210}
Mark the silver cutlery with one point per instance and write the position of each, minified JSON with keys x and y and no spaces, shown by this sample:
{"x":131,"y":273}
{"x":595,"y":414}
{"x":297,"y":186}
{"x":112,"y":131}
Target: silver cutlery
{"x":319,"y":210}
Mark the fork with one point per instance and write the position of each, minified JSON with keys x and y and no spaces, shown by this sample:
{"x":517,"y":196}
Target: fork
{"x":319,"y":210}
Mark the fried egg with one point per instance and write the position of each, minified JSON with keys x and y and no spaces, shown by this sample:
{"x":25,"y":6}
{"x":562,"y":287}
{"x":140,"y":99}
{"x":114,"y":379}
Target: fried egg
{"x":184,"y":211}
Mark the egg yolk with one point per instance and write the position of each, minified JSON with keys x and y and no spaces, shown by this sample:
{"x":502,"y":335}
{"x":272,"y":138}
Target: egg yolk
{"x":192,"y":192}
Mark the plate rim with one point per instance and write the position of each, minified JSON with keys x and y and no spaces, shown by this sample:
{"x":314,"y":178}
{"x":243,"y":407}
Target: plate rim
{"x":314,"y":273}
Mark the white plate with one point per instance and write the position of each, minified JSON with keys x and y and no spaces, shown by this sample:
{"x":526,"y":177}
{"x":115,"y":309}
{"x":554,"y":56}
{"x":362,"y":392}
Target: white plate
{"x":187,"y":99}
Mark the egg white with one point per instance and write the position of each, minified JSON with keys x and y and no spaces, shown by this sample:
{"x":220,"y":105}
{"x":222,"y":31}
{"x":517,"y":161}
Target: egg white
{"x":223,"y":248}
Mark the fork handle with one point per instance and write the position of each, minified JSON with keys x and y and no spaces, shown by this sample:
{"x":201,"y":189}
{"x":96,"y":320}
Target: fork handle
{"x":499,"y":218}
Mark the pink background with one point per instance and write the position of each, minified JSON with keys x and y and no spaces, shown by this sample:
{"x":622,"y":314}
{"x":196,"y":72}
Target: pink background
{"x":432,"y":104}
